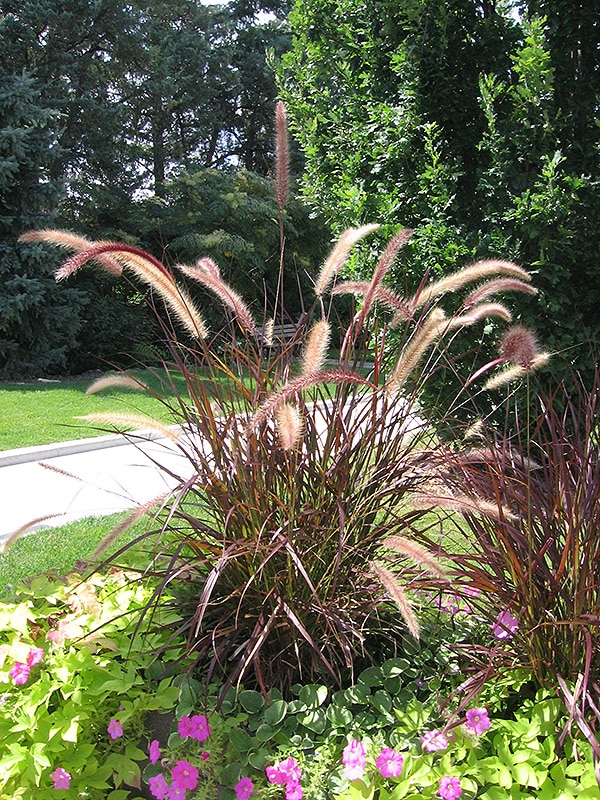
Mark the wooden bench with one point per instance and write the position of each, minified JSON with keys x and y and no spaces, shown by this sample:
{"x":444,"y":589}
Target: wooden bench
{"x":277,"y":335}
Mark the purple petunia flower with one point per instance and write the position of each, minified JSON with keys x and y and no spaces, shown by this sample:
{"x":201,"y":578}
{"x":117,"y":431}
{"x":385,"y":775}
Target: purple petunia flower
{"x":61,"y":778}
{"x":158,"y":787}
{"x":434,"y":740}
{"x":176,"y":792}
{"x":477,"y":720}
{"x":449,"y":788}
{"x":185,"y":775}
{"x":19,"y":673}
{"x":284,"y":772}
{"x":293,"y":791}
{"x":243,"y":789}
{"x":199,"y":728}
{"x":115,"y":729}
{"x":354,"y":760}
{"x":505,"y":625}
{"x":184,"y":727}
{"x":389,"y":763}
{"x":35,"y":656}
{"x":154,"y":751}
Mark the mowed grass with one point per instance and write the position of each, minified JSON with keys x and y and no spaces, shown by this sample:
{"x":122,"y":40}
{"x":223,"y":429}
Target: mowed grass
{"x":42,"y":413}
{"x":63,"y":549}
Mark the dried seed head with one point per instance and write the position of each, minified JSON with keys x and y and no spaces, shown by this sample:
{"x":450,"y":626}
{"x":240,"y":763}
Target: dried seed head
{"x":120,"y":381}
{"x":136,"y":421}
{"x":424,"y":337}
{"x":316,"y":348}
{"x":336,"y":259}
{"x":390,"y":583}
{"x":519,"y":345}
{"x":282,"y":156}
{"x":289,"y":425}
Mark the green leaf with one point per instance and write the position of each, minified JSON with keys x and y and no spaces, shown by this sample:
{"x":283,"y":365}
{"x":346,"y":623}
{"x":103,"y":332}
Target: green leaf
{"x":276,"y":712}
{"x":313,"y":696}
{"x":314,"y":720}
{"x":251,"y":701}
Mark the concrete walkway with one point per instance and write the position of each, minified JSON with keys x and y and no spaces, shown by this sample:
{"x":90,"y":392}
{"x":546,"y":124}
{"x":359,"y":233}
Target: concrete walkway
{"x":89,"y":477}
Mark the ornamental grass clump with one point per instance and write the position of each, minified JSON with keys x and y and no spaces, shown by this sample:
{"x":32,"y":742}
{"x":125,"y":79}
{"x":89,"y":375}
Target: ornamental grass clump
{"x":533,"y":570}
{"x":286,"y":533}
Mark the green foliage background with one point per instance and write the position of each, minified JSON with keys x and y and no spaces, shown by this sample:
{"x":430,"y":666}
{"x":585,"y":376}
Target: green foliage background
{"x":474,"y":126}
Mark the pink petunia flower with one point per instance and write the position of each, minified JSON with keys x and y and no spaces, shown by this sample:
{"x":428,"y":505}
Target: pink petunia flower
{"x":158,"y":787}
{"x":184,"y":727}
{"x":434,"y":740}
{"x":185,"y":775}
{"x":449,"y":788}
{"x":389,"y":763}
{"x":115,"y":729}
{"x":19,"y":673}
{"x":35,"y":656}
{"x":477,"y":720}
{"x":176,"y":792}
{"x":154,"y":751}
{"x":284,"y":772}
{"x":61,"y":778}
{"x":205,"y":755}
{"x":505,"y":625}
{"x":293,"y":791}
{"x":354,"y":760}
{"x":243,"y":789}
{"x":199,"y":728}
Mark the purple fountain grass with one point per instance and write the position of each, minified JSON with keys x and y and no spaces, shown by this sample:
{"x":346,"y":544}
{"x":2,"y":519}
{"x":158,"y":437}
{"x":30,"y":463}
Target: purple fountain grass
{"x":304,"y":480}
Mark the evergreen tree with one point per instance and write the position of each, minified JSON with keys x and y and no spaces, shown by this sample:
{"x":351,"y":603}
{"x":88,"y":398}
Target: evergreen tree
{"x":38,"y":320}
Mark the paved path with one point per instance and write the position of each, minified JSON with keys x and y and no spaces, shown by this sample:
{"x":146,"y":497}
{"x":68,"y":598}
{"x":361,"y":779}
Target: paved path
{"x":90,"y":477}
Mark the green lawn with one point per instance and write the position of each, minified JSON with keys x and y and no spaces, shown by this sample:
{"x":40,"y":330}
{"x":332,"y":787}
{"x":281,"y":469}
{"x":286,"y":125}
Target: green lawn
{"x":42,"y":413}
{"x":61,"y":549}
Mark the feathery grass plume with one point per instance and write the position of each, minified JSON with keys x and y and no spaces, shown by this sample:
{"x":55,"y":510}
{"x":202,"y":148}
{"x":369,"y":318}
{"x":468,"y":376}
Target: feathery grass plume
{"x":474,"y":431}
{"x":268,"y":333}
{"x":478,"y":312}
{"x":386,"y":297}
{"x":432,"y":328}
{"x":337,"y":257}
{"x":296,"y":386}
{"x":121,"y":381}
{"x":137,"y":421}
{"x":415,"y":551}
{"x":390,"y":583}
{"x":516,"y":371}
{"x":72,"y":241}
{"x":461,"y":504}
{"x":149,"y":270}
{"x":385,"y":262}
{"x":207,"y":273}
{"x":316,"y":348}
{"x":481,"y":269}
{"x":519,"y":345}
{"x":289,"y":425}
{"x":499,"y":285}
{"x":138,"y":512}
{"x":12,"y":537}
{"x":282,"y":156}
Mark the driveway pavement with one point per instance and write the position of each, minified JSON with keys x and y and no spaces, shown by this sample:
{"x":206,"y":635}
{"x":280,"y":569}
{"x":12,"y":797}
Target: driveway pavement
{"x":89,"y":477}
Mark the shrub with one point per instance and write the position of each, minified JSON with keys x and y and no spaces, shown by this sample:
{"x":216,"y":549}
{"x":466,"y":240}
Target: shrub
{"x":287,"y":531}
